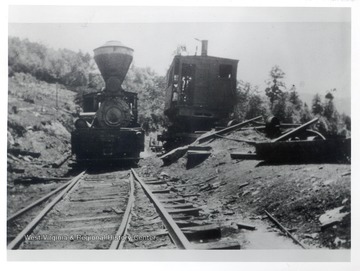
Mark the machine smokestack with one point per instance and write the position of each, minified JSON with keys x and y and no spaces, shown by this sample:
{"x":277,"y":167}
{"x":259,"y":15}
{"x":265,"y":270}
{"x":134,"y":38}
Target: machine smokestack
{"x":204,"y":47}
{"x":113,"y":60}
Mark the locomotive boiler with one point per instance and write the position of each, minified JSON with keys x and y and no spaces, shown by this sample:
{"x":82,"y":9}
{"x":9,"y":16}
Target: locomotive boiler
{"x":107,"y":129}
{"x":200,"y":94}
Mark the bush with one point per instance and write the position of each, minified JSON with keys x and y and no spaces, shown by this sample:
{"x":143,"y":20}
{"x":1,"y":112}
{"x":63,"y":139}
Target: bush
{"x":62,"y":66}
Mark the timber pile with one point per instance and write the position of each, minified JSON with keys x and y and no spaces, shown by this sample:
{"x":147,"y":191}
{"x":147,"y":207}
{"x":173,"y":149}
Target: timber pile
{"x":282,"y":150}
{"x":330,"y":150}
{"x":194,"y":147}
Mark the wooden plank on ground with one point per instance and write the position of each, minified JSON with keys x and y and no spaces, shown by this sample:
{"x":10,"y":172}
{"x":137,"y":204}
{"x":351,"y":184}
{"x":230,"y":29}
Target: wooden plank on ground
{"x":197,"y":153}
{"x":184,"y":223}
{"x":244,"y":155}
{"x":156,"y":182}
{"x":199,"y":148}
{"x":222,"y":244}
{"x":58,"y":163}
{"x":76,"y":219}
{"x":161,"y":191}
{"x":245,"y":226}
{"x":177,"y":206}
{"x":203,"y":232}
{"x":232,"y":128}
{"x":295,"y":131}
{"x":174,"y":155}
{"x":188,"y":211}
{"x":180,"y":200}
{"x":329,"y":150}
{"x":190,"y":195}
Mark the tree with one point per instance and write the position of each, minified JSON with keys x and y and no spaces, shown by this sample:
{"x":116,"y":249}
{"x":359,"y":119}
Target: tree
{"x":63,"y":66}
{"x":347,"y":121}
{"x":317,"y":106}
{"x":294,"y":98}
{"x":150,"y":88}
{"x":249,"y":102}
{"x":306,"y":114}
{"x":275,"y":85}
{"x":329,"y":107}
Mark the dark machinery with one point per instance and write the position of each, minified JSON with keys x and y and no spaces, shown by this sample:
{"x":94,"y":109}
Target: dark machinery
{"x":200,"y":94}
{"x":107,"y":129}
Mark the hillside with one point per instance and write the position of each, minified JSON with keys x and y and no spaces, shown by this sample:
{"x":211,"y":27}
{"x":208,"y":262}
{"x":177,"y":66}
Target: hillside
{"x":39,"y":125}
{"x":311,"y":200}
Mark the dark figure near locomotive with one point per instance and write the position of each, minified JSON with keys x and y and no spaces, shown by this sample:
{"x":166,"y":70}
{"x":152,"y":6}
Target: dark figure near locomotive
{"x":107,"y":129}
{"x":200,"y":94}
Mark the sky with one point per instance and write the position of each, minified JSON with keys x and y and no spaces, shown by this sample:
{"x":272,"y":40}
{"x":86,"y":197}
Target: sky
{"x":311,"y":45}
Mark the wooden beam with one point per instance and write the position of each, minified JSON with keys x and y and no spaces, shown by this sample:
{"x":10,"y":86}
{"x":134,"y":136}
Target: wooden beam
{"x":15,"y":151}
{"x":177,"y":206}
{"x":177,"y":153}
{"x":181,"y":200}
{"x":189,"y":211}
{"x":58,"y":163}
{"x":245,"y":226}
{"x":203,"y":232}
{"x":222,"y":244}
{"x":192,"y":184}
{"x":156,"y":182}
{"x":244,"y":155}
{"x":184,"y":223}
{"x":232,"y":128}
{"x":295,"y":131}
{"x":77,"y":219}
{"x":161,"y":191}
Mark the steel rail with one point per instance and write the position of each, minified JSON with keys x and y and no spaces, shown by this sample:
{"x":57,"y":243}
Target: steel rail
{"x":277,"y":223}
{"x":176,"y":234}
{"x":20,"y":237}
{"x":115,"y":244}
{"x":37,"y":202}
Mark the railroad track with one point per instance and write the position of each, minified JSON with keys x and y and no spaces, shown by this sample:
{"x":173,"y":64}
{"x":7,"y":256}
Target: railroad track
{"x":94,"y":212}
{"x":120,"y":210}
{"x":176,"y":217}
{"x":91,"y":211}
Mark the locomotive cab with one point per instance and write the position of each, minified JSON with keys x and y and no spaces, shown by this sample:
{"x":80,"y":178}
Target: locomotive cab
{"x":200,"y":92}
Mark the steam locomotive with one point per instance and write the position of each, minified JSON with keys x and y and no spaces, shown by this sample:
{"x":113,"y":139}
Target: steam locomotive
{"x":200,"y":94}
{"x":107,"y":129}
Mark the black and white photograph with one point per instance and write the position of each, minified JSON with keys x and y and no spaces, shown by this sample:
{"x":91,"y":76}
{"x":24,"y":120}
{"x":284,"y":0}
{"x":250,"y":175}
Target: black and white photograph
{"x":155,"y":129}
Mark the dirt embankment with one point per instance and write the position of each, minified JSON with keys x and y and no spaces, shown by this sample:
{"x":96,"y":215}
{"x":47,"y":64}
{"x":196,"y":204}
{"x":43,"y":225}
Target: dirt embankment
{"x":311,"y":200}
{"x":39,"y":124}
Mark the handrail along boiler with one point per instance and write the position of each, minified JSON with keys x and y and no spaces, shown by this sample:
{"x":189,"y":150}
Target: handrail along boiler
{"x":107,"y":129}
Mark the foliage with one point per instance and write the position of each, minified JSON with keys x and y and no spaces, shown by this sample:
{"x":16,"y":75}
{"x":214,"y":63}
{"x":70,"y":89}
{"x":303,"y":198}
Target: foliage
{"x":78,"y":71}
{"x":306,"y":115}
{"x":249,"y":102}
{"x":150,"y":88}
{"x":62,"y":66}
{"x":275,"y":85}
{"x":288,"y":107}
{"x":317,"y":106}
{"x":330,"y":122}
